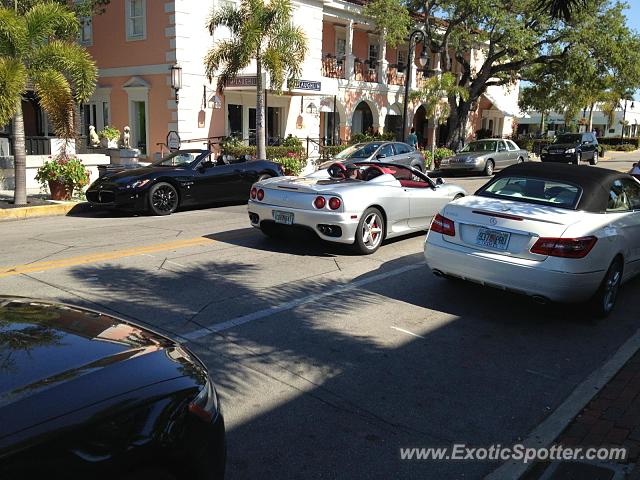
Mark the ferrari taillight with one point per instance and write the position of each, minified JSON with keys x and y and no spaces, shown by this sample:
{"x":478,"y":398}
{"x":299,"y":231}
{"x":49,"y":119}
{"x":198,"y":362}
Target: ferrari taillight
{"x":334,"y":203}
{"x":260,"y":194}
{"x":254,"y":192}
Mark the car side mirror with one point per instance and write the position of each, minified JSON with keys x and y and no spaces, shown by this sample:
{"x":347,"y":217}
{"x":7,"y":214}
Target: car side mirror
{"x":381,"y":155}
{"x":439,"y":181}
{"x":204,"y":165}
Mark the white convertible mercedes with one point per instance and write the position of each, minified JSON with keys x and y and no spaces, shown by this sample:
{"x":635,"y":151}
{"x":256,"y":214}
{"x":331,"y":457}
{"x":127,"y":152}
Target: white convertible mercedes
{"x":555,"y":232}
{"x":360,"y":204}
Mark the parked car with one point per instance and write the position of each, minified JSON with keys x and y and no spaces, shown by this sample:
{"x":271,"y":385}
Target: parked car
{"x":635,"y":170}
{"x":572,"y":148}
{"x":86,"y":395}
{"x":183,"y":178}
{"x":554,"y":232}
{"x":386,"y":152}
{"x":485,"y":156}
{"x":360,"y":204}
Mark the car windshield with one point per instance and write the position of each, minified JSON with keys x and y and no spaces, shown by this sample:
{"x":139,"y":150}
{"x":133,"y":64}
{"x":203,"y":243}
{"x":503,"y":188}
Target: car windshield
{"x":178,"y":159}
{"x":568,"y":138}
{"x":360,"y":150}
{"x":483,"y":146}
{"x":536,"y":190}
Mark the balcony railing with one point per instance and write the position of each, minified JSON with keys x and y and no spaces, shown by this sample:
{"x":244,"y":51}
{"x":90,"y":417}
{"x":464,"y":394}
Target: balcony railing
{"x":332,"y":67}
{"x":396,"y":75}
{"x":364,"y":73}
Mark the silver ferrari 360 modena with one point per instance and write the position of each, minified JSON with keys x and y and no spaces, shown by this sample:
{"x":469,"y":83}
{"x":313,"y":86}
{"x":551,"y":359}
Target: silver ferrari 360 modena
{"x":360,"y":204}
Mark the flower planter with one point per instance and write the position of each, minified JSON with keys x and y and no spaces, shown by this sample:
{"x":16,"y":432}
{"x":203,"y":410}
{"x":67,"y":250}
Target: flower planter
{"x":59,"y":190}
{"x":106,"y":143}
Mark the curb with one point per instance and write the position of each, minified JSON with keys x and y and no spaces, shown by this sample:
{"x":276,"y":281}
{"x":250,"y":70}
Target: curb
{"x":551,"y":427}
{"x":22,"y":213}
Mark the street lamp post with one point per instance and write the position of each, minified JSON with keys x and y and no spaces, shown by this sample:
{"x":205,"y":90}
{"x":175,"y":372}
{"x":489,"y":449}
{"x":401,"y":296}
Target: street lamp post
{"x":624,"y":120}
{"x":413,"y":40}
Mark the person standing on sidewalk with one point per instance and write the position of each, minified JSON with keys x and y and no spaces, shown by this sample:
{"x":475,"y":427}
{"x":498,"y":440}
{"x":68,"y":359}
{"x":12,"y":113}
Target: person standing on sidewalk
{"x":412,"y":139}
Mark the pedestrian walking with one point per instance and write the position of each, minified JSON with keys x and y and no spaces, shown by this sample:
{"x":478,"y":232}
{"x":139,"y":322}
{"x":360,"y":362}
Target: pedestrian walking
{"x":412,"y":139}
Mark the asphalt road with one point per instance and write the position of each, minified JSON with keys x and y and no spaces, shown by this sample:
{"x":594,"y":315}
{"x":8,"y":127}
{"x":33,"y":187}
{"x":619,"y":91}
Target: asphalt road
{"x":327,"y":363}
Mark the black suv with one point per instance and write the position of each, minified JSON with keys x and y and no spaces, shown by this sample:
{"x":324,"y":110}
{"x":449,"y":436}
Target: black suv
{"x":572,"y":148}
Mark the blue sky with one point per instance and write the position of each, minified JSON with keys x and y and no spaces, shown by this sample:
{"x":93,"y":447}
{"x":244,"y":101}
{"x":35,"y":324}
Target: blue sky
{"x":633,"y":14}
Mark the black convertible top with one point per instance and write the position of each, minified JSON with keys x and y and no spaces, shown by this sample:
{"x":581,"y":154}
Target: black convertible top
{"x":594,"y":181}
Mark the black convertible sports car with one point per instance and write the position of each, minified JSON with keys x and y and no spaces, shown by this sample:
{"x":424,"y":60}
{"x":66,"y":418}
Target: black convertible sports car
{"x":88,"y":396}
{"x":183,"y":178}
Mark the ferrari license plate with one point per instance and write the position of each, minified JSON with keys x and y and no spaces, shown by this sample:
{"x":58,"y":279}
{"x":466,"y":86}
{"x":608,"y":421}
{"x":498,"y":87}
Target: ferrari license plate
{"x":493,"y":239}
{"x":285,"y":218}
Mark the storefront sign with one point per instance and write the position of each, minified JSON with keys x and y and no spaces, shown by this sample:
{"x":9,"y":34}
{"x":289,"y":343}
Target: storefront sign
{"x":242,"y":82}
{"x":305,"y":85}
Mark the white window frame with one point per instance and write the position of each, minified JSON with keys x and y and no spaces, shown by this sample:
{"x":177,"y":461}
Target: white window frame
{"x":128,"y":19}
{"x":138,"y":91}
{"x":405,"y":52}
{"x":373,"y":43}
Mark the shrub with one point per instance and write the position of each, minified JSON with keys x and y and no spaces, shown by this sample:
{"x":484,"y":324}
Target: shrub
{"x":616,"y":141}
{"x":625,"y":147}
{"x":110,"y":133}
{"x":329,"y":151}
{"x":291,"y":165}
{"x":272,"y":152}
{"x":440,"y":153}
{"x":365,"y":137}
{"x":292,"y":141}
{"x":65,"y":169}
{"x":483,"y":133}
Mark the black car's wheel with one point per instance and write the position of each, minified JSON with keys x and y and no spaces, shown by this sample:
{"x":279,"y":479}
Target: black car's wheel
{"x":488,"y":168}
{"x":594,"y":160}
{"x":577,"y":159}
{"x":370,"y":232}
{"x":604,"y":300}
{"x":163,"y":199}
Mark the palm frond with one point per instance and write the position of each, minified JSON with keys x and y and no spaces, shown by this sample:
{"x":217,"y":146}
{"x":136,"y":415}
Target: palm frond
{"x":13,"y":33}
{"x":73,"y":61}
{"x":54,"y":93}
{"x":289,"y":44}
{"x":226,"y":16}
{"x":13,"y":80}
{"x":47,"y":20}
{"x":228,"y":56}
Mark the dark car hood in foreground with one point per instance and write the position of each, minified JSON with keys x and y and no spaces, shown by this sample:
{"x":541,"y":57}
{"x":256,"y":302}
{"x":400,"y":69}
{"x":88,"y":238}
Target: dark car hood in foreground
{"x":55,"y":359}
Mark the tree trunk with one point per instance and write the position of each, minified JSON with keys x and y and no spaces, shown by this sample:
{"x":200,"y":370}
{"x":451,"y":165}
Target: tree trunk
{"x":261,"y":150}
{"x":591,"y":117}
{"x":19,"y":158}
{"x":457,"y":122}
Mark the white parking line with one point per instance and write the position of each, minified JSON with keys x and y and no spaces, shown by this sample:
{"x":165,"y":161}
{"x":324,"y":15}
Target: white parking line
{"x":407,"y":332}
{"x":219,"y":327}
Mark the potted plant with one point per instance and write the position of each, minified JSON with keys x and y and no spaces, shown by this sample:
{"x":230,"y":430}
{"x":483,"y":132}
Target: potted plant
{"x":63,"y":175}
{"x":109,"y":137}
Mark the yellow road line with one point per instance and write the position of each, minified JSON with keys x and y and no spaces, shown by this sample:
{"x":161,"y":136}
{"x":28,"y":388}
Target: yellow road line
{"x":100,"y":257}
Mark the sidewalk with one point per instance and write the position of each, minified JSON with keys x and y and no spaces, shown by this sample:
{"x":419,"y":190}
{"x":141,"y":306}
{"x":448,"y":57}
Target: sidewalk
{"x":610,"y":419}
{"x":38,"y":206}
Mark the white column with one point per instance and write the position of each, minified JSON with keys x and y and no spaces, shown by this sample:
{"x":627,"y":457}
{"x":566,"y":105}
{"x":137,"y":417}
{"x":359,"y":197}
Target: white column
{"x":348,"y":61}
{"x":382,"y":63}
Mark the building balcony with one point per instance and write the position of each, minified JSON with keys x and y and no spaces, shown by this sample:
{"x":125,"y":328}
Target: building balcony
{"x":332,"y":67}
{"x":396,"y":75}
{"x":362,"y":72}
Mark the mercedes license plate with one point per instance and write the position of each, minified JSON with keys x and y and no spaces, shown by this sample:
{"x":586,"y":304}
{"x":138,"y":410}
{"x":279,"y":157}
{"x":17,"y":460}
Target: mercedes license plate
{"x":493,"y":238}
{"x":283,"y":217}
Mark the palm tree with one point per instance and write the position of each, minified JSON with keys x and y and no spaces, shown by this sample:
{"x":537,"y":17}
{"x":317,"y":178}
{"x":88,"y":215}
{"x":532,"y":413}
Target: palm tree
{"x":561,"y":9}
{"x":38,"y":51}
{"x":260,"y":31}
{"x":434,"y":94}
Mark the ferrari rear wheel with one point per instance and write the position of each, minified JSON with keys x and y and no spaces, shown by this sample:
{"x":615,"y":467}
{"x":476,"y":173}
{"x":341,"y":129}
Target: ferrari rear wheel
{"x":163,"y":199}
{"x":370,"y":232}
